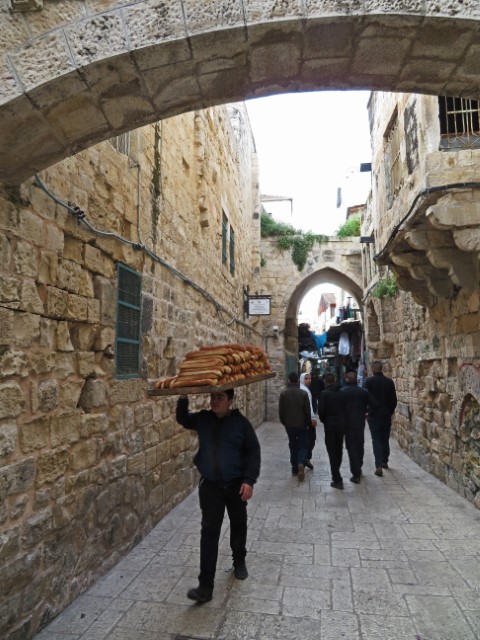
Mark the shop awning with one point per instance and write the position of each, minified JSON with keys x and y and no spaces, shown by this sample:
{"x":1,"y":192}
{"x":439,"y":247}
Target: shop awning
{"x":350,"y":326}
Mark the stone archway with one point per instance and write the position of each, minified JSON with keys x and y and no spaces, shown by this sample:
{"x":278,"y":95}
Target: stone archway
{"x":323,"y":275}
{"x":337,"y":262}
{"x":73,"y":75}
{"x":465,"y":437}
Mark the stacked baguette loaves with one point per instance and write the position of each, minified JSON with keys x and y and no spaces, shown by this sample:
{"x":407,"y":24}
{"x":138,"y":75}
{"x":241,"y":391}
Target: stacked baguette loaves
{"x":218,"y":365}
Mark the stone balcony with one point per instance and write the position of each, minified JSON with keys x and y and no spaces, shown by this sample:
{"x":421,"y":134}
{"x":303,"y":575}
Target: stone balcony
{"x":435,"y":250}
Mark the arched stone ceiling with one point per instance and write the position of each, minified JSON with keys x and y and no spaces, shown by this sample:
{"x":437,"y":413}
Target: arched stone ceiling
{"x":81,"y":71}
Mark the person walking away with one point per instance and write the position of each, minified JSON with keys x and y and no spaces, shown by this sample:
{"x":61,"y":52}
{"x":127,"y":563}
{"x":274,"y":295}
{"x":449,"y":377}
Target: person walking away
{"x":228,"y":459}
{"x":380,"y":417}
{"x":331,"y":411}
{"x":305,"y":382}
{"x":295,"y":415}
{"x":316,"y":387}
{"x":357,"y":403}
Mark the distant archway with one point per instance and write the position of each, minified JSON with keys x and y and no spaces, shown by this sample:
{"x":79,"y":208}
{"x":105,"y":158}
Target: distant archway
{"x":322,"y":276}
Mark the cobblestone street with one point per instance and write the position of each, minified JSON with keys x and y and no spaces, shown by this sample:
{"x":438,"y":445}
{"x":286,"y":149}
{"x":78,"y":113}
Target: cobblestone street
{"x":394,"y":558}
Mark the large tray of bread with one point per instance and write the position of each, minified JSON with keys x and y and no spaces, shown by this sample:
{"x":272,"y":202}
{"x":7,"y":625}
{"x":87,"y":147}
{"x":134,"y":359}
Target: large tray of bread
{"x":215,"y":368}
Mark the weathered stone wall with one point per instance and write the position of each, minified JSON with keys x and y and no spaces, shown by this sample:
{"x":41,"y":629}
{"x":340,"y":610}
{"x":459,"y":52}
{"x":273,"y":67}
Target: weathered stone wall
{"x":88,"y":462}
{"x":432,"y":349}
{"x":75,"y":73}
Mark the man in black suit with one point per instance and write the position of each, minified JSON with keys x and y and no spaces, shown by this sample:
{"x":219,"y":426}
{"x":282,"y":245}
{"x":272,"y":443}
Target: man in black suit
{"x":357,"y":403}
{"x":380,"y":417}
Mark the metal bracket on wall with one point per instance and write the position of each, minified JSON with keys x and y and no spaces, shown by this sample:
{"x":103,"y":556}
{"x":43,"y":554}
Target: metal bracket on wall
{"x":24,"y":6}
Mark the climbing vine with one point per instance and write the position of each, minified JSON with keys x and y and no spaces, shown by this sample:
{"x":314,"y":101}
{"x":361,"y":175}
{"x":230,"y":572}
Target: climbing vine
{"x":299,"y":242}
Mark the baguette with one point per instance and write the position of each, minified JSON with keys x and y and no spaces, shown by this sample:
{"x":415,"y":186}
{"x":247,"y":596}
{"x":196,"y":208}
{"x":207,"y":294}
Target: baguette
{"x":205,"y":358}
{"x":200,"y":382}
{"x":164,"y":383}
{"x":202,"y":363}
{"x":201,"y":373}
{"x":210,"y":351}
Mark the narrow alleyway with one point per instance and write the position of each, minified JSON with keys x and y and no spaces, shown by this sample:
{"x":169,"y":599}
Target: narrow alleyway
{"x":394,"y":558}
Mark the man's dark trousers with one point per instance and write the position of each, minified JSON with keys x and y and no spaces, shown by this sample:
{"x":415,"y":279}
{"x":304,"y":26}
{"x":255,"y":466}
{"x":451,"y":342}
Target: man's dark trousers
{"x":298,"y":445}
{"x":334,"y":446}
{"x":355,"y":445}
{"x":214,"y":499}
{"x":380,"y":430}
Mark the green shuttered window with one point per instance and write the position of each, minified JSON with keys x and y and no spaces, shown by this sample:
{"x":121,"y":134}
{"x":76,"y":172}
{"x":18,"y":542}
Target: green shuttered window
{"x":127,"y":352}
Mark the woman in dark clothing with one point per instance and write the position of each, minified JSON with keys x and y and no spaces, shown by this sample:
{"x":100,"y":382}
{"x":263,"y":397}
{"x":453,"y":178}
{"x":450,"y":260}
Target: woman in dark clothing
{"x":331,"y":411}
{"x":228,"y":459}
{"x":316,"y":387}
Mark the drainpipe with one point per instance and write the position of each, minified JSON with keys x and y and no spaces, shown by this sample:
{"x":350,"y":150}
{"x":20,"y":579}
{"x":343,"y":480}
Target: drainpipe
{"x":136,"y":165}
{"x":275,"y":335}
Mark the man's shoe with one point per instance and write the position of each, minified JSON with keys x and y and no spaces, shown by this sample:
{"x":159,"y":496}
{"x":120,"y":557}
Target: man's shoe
{"x":201,"y":594}
{"x":337,"y":485}
{"x":301,"y":472}
{"x":309,"y":464}
{"x":240,"y":571}
{"x":355,"y":479}
{"x":294,"y":473}
{"x":385,"y":465}
{"x":379,"y":471}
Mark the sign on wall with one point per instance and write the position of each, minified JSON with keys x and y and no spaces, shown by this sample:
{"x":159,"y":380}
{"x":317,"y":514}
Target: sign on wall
{"x":259,"y":305}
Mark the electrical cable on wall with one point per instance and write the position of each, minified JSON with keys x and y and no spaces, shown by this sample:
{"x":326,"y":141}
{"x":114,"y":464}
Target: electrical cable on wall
{"x":80,"y":216}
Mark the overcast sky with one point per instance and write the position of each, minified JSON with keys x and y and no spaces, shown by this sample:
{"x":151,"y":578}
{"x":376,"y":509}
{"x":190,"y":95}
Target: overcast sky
{"x":309,"y":145}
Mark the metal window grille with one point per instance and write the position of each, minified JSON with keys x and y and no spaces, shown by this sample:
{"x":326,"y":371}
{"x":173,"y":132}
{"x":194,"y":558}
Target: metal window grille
{"x":459,"y":122}
{"x":122,"y":143}
{"x":127,"y":352}
{"x":224,"y":238}
{"x":392,"y":159}
{"x":232,"y":251}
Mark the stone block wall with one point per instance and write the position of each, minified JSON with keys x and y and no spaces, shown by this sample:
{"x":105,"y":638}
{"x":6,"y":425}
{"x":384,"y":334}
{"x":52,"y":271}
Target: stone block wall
{"x":431,"y":348}
{"x":89,"y":462}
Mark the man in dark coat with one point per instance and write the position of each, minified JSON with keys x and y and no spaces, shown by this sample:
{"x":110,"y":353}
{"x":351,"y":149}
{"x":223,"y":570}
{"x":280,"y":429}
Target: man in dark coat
{"x":228,"y":459}
{"x":380,"y":417}
{"x":331,"y":411}
{"x":295,"y":415}
{"x":357,"y":403}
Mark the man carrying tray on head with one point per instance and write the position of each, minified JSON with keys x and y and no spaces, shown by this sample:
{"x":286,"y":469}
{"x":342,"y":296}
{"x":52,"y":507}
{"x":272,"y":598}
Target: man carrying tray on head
{"x":228,"y":459}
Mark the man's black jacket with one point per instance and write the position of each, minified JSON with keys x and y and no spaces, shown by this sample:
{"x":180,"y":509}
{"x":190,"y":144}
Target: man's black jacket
{"x":383,"y":390}
{"x":357,"y":402}
{"x":228,"y":447}
{"x":331,"y":409}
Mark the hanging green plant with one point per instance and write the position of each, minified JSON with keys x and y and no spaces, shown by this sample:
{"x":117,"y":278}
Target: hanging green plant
{"x":385,"y":287}
{"x":299,"y":242}
{"x":350,"y":227}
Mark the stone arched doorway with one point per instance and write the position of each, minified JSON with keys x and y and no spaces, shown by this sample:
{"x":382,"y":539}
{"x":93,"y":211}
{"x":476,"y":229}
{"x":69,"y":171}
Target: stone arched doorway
{"x":343,"y":270}
{"x":322,"y":276}
{"x":73,"y":77}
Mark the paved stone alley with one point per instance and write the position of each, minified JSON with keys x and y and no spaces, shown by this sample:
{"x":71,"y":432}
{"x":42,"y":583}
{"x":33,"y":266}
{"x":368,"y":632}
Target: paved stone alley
{"x":394,"y":558}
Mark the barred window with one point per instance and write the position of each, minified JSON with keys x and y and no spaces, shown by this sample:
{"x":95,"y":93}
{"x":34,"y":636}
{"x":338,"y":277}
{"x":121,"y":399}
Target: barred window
{"x":392,"y":159}
{"x":459,"y":123}
{"x":122,"y":143}
{"x":232,"y":251}
{"x":224,"y":238}
{"x":127,"y":351}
